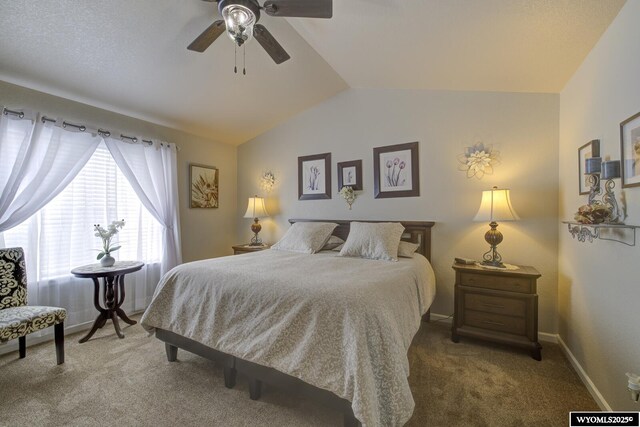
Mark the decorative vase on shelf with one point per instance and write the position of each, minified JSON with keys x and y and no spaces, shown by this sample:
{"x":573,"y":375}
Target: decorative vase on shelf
{"x":107,"y":260}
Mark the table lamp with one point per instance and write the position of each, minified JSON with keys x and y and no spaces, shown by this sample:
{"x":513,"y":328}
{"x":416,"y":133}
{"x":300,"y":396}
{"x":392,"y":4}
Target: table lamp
{"x":495,"y":206}
{"x":255,"y":210}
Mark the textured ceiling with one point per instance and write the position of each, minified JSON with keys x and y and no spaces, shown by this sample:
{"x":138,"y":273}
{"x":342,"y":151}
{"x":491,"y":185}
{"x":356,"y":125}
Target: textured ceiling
{"x":484,"y":45}
{"x":131,"y":57}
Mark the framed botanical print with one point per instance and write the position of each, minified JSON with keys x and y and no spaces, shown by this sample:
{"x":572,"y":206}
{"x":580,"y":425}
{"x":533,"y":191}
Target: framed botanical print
{"x":396,"y":171}
{"x":314,"y":177}
{"x":630,"y":151}
{"x":588,"y":150}
{"x":204,"y":186}
{"x":350,"y":174}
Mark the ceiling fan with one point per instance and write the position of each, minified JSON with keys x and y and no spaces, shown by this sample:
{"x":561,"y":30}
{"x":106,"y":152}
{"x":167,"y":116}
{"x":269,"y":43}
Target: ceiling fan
{"x":240,"y":20}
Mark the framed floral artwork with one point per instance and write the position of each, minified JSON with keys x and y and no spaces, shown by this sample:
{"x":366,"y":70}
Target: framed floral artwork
{"x":314,"y":177}
{"x":204,"y":186}
{"x":396,"y":171}
{"x":350,"y":174}
{"x":630,"y":151}
{"x":588,"y":150}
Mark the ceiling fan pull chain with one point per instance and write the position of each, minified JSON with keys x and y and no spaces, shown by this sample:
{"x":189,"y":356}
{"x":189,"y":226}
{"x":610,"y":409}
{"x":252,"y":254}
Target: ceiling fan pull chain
{"x":244,"y":60}
{"x":235,"y":59}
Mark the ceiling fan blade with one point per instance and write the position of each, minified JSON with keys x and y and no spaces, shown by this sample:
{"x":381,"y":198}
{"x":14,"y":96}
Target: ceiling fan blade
{"x":208,"y":36}
{"x":299,"y":8}
{"x":271,"y":45}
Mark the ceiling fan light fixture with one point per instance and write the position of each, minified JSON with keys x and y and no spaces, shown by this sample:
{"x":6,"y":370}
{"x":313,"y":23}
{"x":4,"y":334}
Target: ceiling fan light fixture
{"x":239,"y":20}
{"x":241,"y":23}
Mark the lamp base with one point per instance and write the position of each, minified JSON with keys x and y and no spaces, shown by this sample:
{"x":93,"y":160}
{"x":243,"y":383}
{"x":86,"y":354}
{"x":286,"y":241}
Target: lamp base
{"x":256,"y":241}
{"x":256,"y":227}
{"x":493,"y":237}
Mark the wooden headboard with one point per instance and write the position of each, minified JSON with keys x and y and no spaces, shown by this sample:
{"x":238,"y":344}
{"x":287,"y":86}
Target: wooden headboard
{"x":414,"y":231}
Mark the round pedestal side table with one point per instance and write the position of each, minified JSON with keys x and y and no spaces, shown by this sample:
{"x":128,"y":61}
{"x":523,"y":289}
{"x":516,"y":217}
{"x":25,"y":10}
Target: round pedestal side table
{"x":113,"y":292}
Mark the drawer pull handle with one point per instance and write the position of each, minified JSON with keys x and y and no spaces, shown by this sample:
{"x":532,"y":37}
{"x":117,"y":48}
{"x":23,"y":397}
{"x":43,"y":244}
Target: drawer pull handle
{"x":492,"y":305}
{"x":492,"y":323}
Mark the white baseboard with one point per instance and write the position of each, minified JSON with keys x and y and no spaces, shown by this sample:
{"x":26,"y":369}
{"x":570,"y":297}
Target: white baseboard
{"x":442,"y":318}
{"x":547,"y":337}
{"x":593,"y":390}
{"x":12,"y":345}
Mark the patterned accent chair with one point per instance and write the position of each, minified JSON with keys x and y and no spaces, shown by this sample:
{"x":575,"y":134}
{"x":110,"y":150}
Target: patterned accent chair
{"x":17,"y":319}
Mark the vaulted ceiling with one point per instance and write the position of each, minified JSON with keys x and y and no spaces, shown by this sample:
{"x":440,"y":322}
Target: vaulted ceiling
{"x":131,"y":56}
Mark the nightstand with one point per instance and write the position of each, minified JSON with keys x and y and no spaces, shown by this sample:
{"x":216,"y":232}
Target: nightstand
{"x":243,"y":249}
{"x":497,"y":305}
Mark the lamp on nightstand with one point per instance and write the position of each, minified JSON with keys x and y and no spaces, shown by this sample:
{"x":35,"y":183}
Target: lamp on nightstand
{"x":256,"y":210}
{"x":495,"y":206}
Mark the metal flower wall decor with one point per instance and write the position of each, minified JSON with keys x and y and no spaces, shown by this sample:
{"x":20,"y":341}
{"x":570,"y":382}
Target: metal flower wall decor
{"x":478,"y":160}
{"x":267,"y":181}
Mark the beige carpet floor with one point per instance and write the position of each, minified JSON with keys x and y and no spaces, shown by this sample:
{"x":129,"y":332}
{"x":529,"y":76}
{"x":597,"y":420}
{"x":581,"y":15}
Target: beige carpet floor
{"x":128,"y":382}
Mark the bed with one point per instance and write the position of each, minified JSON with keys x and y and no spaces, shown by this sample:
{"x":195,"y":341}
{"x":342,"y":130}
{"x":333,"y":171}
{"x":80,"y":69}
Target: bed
{"x":301,"y":322}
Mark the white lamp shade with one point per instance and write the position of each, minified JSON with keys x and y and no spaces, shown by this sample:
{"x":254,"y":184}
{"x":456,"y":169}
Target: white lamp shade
{"x":496,"y":206}
{"x":255,"y":208}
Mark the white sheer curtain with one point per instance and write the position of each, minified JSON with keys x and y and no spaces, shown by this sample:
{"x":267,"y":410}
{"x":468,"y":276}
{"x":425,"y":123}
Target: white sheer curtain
{"x":153,"y":173}
{"x":38,"y":162}
{"x":56,"y":183}
{"x":60,"y":237}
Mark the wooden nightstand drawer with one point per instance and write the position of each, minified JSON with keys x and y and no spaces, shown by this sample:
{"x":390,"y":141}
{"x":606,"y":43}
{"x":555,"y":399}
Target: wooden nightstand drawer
{"x":496,"y":305}
{"x":495,"y":322}
{"x":501,"y":283}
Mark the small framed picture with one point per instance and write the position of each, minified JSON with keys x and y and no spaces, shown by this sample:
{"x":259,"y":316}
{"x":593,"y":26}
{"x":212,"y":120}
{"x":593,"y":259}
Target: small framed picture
{"x":350,"y":173}
{"x":314,"y":177}
{"x":588,"y":150}
{"x":630,"y":151}
{"x":396,"y":171}
{"x":204,"y":186}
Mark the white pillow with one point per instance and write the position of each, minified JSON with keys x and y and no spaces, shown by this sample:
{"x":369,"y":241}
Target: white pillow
{"x":407,"y":249}
{"x":333,"y":243}
{"x":305,"y":237}
{"x":373,"y":240}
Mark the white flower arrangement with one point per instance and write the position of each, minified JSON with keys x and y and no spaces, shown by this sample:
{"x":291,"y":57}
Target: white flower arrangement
{"x":348,"y":194}
{"x":107,"y":235}
{"x":478,"y":160}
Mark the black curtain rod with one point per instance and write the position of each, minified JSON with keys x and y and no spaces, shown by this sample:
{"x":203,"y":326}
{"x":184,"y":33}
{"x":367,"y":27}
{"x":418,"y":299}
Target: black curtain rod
{"x":81,"y":128}
{"x":6,"y":112}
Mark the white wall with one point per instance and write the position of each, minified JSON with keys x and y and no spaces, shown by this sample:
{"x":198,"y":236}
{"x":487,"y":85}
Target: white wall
{"x":523,"y":127}
{"x":599,"y":283}
{"x":206,"y":233}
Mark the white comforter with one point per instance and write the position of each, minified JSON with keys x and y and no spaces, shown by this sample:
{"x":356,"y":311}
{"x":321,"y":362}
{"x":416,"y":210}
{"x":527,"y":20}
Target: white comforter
{"x":341,"y":324}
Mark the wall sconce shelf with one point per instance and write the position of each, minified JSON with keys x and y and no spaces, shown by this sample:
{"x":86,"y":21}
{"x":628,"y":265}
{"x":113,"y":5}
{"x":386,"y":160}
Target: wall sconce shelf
{"x":621,"y":233}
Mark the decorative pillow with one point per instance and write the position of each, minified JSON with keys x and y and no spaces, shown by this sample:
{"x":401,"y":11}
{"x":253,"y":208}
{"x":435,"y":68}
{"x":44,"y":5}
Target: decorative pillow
{"x":373,"y":240}
{"x":333,"y":243}
{"x":407,"y":249}
{"x":305,"y":237}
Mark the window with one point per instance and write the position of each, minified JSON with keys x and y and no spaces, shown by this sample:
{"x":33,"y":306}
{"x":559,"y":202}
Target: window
{"x":60,"y":237}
